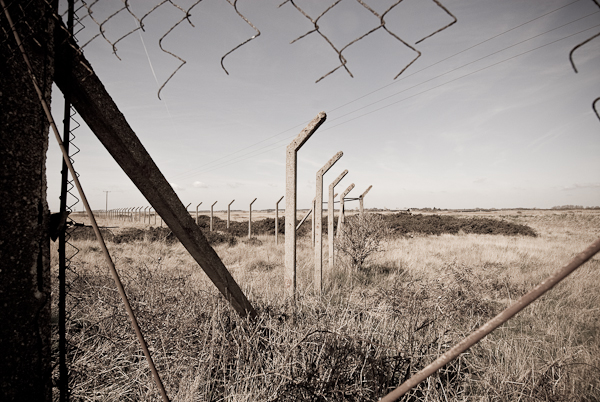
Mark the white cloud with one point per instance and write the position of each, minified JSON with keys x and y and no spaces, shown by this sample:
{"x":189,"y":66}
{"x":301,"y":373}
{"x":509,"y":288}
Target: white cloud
{"x":578,"y":186}
{"x":199,"y":184}
{"x":177,"y":187}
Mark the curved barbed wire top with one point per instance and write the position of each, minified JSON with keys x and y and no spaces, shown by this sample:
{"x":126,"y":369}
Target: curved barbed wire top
{"x":88,"y":10}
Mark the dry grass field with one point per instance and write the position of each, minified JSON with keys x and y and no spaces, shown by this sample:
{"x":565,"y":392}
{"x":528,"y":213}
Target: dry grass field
{"x":372,"y":328}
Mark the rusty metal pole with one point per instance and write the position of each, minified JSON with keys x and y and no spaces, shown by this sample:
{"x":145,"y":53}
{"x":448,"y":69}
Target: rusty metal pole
{"x":277,"y":220}
{"x":331,"y":218}
{"x":211,"y":215}
{"x":291,"y":178}
{"x":197,"y":221}
{"x":229,"y":213}
{"x":318,"y":216}
{"x":341,"y":218}
{"x":495,"y":322}
{"x":360,"y":200}
{"x":83,"y":198}
{"x":250,"y":220}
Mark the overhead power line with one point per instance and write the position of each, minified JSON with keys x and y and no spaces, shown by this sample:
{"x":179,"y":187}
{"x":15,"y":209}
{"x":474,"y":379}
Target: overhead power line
{"x":227,"y":160}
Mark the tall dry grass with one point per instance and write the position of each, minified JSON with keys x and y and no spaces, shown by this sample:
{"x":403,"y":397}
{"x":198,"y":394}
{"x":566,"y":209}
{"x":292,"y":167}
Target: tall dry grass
{"x":371,"y":329}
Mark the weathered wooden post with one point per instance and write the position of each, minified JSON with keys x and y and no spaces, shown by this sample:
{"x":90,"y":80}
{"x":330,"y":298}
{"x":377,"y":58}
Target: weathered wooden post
{"x":361,"y":198}
{"x":331,"y":217}
{"x":250,"y":220}
{"x":341,"y":218}
{"x":318,"y":216}
{"x":291,"y":177}
{"x":277,"y":220}
{"x":211,"y":215}
{"x":229,"y":213}
{"x":197,"y":220}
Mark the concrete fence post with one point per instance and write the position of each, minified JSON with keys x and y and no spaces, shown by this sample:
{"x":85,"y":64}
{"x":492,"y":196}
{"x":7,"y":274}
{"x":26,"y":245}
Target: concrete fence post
{"x":229,"y":213}
{"x":277,"y":220}
{"x":250,"y":220}
{"x":318,"y":216}
{"x":211,"y":215}
{"x":305,"y":216}
{"x":146,"y":210}
{"x":197,"y":221}
{"x":291,"y":178}
{"x":360,"y":200}
{"x":342,"y":218}
{"x":331,"y":218}
{"x":312,"y":230}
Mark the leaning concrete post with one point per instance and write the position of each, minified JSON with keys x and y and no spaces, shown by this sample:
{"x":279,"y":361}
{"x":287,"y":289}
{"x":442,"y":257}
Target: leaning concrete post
{"x":360,"y":200}
{"x":277,"y":220}
{"x":318,"y":216}
{"x":291,"y":177}
{"x":331,"y":217}
{"x":303,"y":219}
{"x":229,"y":213}
{"x":197,"y":221}
{"x":342,"y":213}
{"x":250,"y":220}
{"x":211,"y":215}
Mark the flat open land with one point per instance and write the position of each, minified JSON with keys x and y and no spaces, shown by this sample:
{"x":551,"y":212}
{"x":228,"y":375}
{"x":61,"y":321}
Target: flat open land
{"x":372,"y":328}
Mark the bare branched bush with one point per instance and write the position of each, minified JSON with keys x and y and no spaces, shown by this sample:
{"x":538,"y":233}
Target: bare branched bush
{"x":360,"y":237}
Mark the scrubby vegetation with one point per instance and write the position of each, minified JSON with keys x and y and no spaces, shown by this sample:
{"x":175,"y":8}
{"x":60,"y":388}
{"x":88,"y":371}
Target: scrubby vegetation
{"x":373,"y":327}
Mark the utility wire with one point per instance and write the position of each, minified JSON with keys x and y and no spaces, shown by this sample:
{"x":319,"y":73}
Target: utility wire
{"x":196,"y":170}
{"x":276,"y":145}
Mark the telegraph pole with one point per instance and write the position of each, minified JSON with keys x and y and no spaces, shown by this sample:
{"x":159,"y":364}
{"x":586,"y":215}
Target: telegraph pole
{"x":106,"y":207}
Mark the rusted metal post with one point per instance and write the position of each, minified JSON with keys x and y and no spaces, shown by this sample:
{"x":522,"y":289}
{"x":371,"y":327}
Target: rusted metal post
{"x":211,"y":215}
{"x":495,"y":322}
{"x":197,"y":221}
{"x":250,"y":220}
{"x":277,"y":220}
{"x":342,"y":217}
{"x":331,"y":217}
{"x":291,"y":177}
{"x":318,"y":216}
{"x":229,"y":213}
{"x":360,"y":200}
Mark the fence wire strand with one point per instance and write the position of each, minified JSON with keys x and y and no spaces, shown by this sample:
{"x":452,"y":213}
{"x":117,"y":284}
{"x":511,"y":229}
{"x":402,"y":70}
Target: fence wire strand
{"x":94,"y":17}
{"x":591,"y":38}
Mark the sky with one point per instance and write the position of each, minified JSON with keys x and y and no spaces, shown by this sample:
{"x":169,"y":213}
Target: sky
{"x":491,"y":115}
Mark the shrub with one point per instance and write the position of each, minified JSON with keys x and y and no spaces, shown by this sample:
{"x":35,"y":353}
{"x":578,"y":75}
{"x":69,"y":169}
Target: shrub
{"x":361,"y":237}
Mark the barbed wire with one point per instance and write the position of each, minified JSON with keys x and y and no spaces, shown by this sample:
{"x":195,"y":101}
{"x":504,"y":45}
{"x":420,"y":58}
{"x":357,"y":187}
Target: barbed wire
{"x":90,"y":10}
{"x":591,"y":38}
